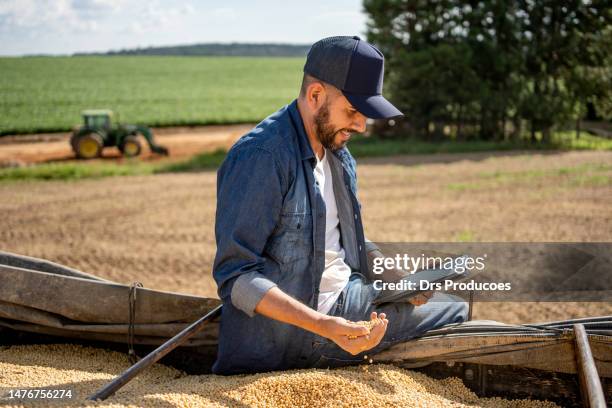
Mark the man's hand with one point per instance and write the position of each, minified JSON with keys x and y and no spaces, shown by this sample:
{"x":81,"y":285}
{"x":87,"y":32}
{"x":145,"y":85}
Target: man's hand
{"x":421,"y":298}
{"x":279,"y":306}
{"x":337,"y":329}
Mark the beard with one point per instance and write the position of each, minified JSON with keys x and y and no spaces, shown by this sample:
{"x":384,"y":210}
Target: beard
{"x":325,"y":131}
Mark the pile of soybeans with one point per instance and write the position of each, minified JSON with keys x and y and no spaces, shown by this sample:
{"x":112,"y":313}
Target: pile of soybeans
{"x":84,"y":370}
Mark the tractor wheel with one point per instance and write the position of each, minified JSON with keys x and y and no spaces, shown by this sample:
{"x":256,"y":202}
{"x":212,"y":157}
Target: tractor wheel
{"x":88,"y":146}
{"x":73,"y":140}
{"x":130,"y":147}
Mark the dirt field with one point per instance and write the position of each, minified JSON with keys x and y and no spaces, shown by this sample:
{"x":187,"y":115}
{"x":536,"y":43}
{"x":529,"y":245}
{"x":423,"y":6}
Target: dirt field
{"x":182,"y":142}
{"x":159,"y":230}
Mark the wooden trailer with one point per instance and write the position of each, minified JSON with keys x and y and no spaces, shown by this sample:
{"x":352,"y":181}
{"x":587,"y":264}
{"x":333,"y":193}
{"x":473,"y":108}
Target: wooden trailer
{"x":568,"y":362}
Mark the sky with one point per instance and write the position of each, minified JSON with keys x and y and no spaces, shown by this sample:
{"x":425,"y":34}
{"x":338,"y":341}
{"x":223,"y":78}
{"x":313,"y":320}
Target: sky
{"x":68,"y":26}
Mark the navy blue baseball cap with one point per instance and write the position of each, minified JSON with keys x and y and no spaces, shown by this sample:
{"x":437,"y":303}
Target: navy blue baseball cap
{"x":356,"y":68}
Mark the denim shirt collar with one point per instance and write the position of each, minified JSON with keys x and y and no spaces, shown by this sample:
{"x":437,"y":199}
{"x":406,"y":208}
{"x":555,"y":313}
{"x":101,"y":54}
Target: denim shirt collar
{"x":298,"y":123}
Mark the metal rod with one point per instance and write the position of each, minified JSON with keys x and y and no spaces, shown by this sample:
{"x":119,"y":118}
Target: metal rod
{"x":151,"y":358}
{"x":590,"y":385}
{"x":471,"y":305}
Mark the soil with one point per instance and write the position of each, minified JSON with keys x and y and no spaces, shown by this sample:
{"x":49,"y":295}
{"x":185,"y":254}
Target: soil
{"x":182,"y":142}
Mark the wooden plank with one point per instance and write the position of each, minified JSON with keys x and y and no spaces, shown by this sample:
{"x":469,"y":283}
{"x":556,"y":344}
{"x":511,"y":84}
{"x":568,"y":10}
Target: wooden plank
{"x":590,"y":385}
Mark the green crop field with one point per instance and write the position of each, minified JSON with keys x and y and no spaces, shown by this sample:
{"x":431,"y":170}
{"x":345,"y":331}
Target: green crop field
{"x":40,"y":94}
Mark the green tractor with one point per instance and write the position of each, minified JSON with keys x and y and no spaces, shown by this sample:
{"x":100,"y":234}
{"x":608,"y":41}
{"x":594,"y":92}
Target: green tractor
{"x":99,"y":132}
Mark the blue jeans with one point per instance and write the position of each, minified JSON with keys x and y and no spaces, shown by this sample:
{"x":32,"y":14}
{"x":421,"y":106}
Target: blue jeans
{"x":406,"y":321}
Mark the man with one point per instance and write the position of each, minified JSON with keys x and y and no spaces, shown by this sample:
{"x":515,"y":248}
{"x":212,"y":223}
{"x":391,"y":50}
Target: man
{"x":292,"y":260}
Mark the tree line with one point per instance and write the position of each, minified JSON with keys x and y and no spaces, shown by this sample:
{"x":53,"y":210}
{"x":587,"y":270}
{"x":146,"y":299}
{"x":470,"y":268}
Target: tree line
{"x":494,"y":70}
{"x":217,"y":49}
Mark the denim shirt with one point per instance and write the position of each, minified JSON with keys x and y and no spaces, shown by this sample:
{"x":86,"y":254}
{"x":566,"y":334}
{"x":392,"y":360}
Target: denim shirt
{"x":270,"y":231}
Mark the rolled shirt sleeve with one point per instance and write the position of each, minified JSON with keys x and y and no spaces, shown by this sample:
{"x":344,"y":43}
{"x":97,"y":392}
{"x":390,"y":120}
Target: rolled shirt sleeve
{"x":250,"y":189}
{"x":248,"y":290}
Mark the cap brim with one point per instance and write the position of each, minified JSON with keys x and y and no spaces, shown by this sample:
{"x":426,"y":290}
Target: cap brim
{"x":373,"y":106}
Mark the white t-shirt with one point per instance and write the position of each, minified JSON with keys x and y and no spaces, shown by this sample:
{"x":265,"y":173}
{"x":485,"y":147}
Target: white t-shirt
{"x":337,"y":272}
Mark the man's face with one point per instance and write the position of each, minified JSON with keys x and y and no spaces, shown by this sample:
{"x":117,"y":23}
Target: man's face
{"x":336,"y":120}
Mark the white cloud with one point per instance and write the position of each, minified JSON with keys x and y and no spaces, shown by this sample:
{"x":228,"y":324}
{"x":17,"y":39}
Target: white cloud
{"x":66,"y":26}
{"x":188,"y":9}
{"x":98,"y":5}
{"x":225,"y":13}
{"x":159,"y":17}
{"x":135,"y":28}
{"x":40,"y":17}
